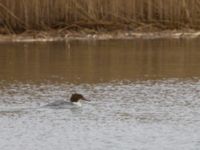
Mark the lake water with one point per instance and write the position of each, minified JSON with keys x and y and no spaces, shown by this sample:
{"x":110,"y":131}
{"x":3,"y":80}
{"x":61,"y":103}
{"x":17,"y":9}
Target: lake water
{"x":145,"y":95}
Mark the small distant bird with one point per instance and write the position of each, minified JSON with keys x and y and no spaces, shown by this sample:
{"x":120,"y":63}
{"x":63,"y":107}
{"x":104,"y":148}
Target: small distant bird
{"x":74,"y":101}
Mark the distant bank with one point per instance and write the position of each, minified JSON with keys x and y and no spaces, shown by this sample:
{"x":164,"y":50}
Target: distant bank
{"x":90,"y":17}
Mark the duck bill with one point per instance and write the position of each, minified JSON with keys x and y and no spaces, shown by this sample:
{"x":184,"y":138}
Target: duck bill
{"x":85,"y":99}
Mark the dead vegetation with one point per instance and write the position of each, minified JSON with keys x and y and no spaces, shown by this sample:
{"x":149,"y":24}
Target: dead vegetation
{"x":22,"y":15}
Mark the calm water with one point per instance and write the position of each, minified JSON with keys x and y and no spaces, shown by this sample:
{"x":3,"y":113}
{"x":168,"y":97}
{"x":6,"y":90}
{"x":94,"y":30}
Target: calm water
{"x":145,"y":95}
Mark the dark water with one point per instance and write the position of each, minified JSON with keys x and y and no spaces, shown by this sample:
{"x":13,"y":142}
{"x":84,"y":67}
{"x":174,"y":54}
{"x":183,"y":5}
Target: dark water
{"x":145,"y":95}
{"x":100,"y":61}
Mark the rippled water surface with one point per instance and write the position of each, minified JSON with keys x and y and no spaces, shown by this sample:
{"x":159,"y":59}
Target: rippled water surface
{"x":145,"y":95}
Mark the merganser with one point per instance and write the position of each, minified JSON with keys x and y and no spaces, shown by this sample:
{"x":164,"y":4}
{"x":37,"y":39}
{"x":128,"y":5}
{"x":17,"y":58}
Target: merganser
{"x":74,"y":100}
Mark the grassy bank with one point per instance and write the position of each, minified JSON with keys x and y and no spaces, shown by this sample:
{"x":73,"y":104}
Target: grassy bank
{"x":21,"y":15}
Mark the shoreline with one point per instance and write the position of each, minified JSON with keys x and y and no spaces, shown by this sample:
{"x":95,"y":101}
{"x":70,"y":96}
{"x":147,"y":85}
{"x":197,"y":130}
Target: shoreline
{"x":50,"y":36}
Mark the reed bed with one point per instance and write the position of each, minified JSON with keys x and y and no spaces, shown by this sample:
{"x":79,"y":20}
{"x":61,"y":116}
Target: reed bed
{"x":20,"y":15}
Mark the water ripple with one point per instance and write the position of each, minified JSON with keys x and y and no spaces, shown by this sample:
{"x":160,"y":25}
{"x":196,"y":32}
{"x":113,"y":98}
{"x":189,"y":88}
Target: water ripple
{"x":159,"y":114}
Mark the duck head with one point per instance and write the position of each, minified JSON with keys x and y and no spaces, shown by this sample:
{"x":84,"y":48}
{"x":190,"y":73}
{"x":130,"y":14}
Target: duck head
{"x":76,"y":97}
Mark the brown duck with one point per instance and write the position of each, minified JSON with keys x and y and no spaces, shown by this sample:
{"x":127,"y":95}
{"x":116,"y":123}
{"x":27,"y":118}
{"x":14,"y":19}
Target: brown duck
{"x":74,"y":100}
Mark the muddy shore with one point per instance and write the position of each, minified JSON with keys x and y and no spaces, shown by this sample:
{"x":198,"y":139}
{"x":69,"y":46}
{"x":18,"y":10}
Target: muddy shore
{"x":45,"y":36}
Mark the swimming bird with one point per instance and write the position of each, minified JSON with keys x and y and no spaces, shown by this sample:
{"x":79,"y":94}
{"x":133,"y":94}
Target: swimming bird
{"x":74,"y":101}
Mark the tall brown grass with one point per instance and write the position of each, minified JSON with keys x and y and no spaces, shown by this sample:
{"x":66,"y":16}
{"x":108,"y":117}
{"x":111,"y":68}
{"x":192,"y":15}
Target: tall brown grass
{"x":126,"y":14}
